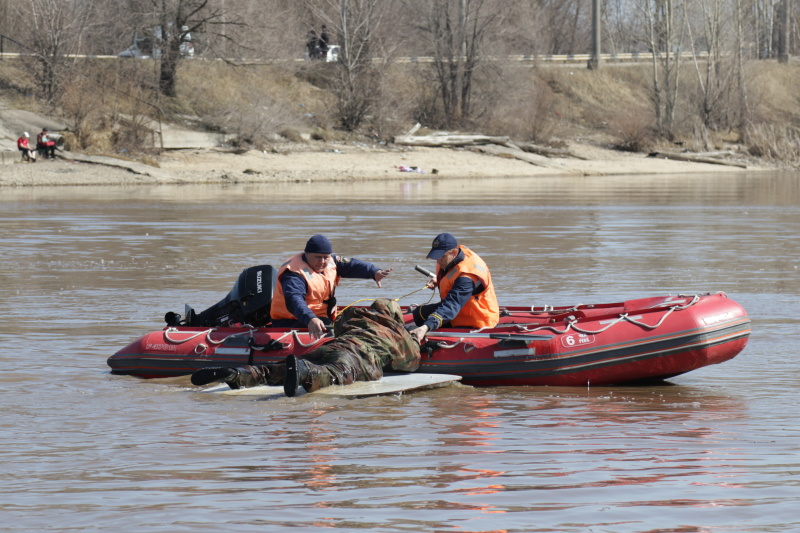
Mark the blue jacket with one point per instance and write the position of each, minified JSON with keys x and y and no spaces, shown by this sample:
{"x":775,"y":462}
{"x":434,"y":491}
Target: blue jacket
{"x":295,"y":288}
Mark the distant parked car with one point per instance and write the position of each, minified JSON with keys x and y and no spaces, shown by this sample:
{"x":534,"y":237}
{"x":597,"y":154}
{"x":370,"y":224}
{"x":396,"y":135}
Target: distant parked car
{"x":148,"y":44}
{"x":333,"y":53}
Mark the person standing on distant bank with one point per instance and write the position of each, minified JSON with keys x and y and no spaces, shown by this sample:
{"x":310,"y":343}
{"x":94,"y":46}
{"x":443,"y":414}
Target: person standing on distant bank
{"x":324,"y":42}
{"x":312,"y":45}
{"x":305,"y":292}
{"x":465,"y":286}
{"x":24,"y":146}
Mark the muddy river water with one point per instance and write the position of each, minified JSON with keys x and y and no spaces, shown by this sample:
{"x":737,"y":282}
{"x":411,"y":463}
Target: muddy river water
{"x":84,"y":271}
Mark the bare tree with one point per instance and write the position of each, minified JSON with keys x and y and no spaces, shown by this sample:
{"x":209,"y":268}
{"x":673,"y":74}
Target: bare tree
{"x":664,"y":38}
{"x":456,"y":30}
{"x":715,"y":70}
{"x":357,"y":75}
{"x":172,"y":20}
{"x":53,"y":29}
{"x":744,"y":106}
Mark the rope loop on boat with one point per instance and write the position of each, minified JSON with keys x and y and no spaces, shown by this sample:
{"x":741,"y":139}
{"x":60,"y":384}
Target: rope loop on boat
{"x":207,"y":333}
{"x":296,"y":336}
{"x":187,"y":339}
{"x":572,"y":322}
{"x":467,"y":346}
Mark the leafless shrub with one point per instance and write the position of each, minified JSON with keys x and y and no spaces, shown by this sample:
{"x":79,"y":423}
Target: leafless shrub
{"x":774,"y":141}
{"x":426,"y":109}
{"x":702,"y":138}
{"x":634,"y":128}
{"x":540,"y":117}
{"x":133,"y":136}
{"x":392,"y":112}
{"x":80,"y":110}
{"x":531,"y":114}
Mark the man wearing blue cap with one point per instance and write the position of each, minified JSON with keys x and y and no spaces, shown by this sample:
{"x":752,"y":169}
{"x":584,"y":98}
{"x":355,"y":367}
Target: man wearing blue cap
{"x":465,"y":287}
{"x":304,"y":295}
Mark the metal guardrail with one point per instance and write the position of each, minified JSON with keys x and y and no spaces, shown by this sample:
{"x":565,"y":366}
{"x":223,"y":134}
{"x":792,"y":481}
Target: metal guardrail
{"x":567,"y":58}
{"x":546,"y":58}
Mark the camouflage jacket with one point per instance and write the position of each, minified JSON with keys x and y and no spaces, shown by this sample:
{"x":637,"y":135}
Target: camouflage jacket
{"x":378,"y":329}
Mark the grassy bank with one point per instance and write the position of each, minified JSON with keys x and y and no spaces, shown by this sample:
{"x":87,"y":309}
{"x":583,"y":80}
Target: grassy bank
{"x":110,"y":106}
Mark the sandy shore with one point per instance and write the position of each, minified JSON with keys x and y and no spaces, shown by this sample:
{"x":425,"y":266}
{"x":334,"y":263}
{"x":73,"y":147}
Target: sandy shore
{"x":326,"y":162}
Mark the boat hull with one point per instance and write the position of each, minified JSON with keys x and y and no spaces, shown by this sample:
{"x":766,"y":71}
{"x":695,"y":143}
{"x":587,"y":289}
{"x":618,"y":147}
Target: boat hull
{"x":640,"y":340}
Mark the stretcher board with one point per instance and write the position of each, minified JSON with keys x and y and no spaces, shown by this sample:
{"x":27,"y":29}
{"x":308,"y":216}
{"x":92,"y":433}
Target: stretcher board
{"x":388,"y":384}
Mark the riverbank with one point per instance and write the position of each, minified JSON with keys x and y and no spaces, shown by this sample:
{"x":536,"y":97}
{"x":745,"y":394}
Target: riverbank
{"x":325,"y":162}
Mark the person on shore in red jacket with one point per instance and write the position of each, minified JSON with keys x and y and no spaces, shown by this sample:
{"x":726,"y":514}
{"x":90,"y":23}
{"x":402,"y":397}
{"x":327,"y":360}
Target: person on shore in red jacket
{"x":46,"y":145}
{"x":24,"y":146}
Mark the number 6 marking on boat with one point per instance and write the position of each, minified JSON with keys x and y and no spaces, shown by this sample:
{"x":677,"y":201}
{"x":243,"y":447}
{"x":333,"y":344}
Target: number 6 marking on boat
{"x":576,"y":339}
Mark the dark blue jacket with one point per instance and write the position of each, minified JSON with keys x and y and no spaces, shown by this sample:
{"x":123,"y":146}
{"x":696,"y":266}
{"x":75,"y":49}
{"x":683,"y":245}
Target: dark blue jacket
{"x":463,"y":289}
{"x":295,"y":287}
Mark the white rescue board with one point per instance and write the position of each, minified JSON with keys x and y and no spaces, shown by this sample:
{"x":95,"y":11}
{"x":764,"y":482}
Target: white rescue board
{"x":388,"y":384}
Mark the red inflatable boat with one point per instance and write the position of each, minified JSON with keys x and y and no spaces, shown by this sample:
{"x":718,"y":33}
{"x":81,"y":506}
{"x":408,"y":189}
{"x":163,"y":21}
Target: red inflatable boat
{"x":641,"y":340}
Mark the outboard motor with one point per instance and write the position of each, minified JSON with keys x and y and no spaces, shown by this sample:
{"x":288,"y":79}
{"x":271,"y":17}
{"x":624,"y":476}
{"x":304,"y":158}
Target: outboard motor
{"x":247,"y":303}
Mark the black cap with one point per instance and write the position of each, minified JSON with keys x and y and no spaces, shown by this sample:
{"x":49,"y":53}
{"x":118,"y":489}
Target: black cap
{"x":318,"y":244}
{"x":443,"y":243}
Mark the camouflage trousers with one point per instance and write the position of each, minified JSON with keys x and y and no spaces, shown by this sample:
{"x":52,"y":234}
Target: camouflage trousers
{"x":330,"y":365}
{"x":367,"y":341}
{"x":336,"y":366}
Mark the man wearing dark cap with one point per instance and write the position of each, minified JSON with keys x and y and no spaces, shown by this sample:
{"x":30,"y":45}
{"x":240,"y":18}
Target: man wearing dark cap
{"x":304,"y":295}
{"x":466,"y":289}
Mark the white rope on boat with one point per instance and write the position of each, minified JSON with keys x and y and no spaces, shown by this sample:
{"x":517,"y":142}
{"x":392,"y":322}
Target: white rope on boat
{"x":187,"y":339}
{"x":468,"y":346}
{"x":207,"y":333}
{"x":301,"y":343}
{"x":572,"y":321}
{"x":279,"y":339}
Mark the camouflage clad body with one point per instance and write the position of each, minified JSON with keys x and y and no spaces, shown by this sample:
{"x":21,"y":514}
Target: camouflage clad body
{"x":367,"y":341}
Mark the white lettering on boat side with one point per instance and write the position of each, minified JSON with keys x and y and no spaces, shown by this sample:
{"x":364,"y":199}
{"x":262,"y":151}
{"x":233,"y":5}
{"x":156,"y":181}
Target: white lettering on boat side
{"x":576,"y":339}
{"x":161,"y":347}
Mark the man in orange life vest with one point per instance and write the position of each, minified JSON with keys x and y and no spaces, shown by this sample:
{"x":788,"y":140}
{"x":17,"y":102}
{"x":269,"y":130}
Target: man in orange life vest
{"x":466,"y":289}
{"x":304,"y":295}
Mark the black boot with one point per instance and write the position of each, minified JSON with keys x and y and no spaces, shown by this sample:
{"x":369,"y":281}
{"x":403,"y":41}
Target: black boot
{"x":296,"y":375}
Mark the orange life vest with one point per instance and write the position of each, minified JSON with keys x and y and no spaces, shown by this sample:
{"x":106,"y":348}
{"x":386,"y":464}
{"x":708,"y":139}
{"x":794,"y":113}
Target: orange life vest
{"x":482,"y":309}
{"x":320,"y":288}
